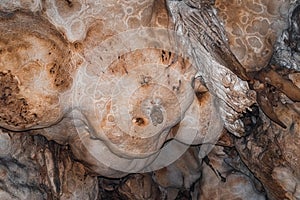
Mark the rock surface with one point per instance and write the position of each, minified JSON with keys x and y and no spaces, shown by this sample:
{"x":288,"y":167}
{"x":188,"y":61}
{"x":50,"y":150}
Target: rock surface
{"x":159,"y":99}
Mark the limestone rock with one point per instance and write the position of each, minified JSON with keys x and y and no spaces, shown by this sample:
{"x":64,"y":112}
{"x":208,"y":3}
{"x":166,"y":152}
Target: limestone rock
{"x":159,"y":99}
{"x":252,"y":28}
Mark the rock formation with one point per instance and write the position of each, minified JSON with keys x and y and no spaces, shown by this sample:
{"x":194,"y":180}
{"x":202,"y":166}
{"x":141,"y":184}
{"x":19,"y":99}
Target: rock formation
{"x":159,"y":99}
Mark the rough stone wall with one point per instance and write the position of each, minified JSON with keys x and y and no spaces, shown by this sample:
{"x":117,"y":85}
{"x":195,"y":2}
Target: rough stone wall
{"x":60,"y":60}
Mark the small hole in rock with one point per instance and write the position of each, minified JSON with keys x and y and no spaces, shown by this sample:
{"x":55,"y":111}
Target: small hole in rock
{"x":139,"y":121}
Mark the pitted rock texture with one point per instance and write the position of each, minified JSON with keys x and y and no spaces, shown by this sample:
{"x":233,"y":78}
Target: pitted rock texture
{"x":35,"y":71}
{"x":120,"y":93}
{"x":126,"y":87}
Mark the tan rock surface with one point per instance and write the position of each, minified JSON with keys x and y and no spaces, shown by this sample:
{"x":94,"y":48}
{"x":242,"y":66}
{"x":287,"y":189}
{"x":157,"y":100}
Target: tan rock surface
{"x":126,"y":87}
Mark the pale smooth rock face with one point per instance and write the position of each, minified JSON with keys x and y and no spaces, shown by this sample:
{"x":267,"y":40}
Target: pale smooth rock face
{"x":225,"y":177}
{"x":122,"y":89}
{"x":182,"y":173}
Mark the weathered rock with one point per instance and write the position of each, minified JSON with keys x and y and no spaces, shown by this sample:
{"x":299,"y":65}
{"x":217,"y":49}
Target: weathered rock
{"x":34,"y":168}
{"x":252,"y":28}
{"x":286,"y":51}
{"x":225,"y":177}
{"x":35,"y":71}
{"x":182,"y":174}
{"x":139,"y":187}
{"x":213,"y":60}
{"x":118,"y":106}
{"x":271,"y":153}
{"x":126,"y":87}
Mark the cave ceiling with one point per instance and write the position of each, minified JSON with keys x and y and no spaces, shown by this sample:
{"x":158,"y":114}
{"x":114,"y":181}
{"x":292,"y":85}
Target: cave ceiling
{"x":157,"y":99}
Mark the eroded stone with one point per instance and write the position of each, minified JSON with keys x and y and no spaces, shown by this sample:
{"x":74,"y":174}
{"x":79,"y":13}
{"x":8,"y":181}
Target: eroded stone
{"x":252,"y":28}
